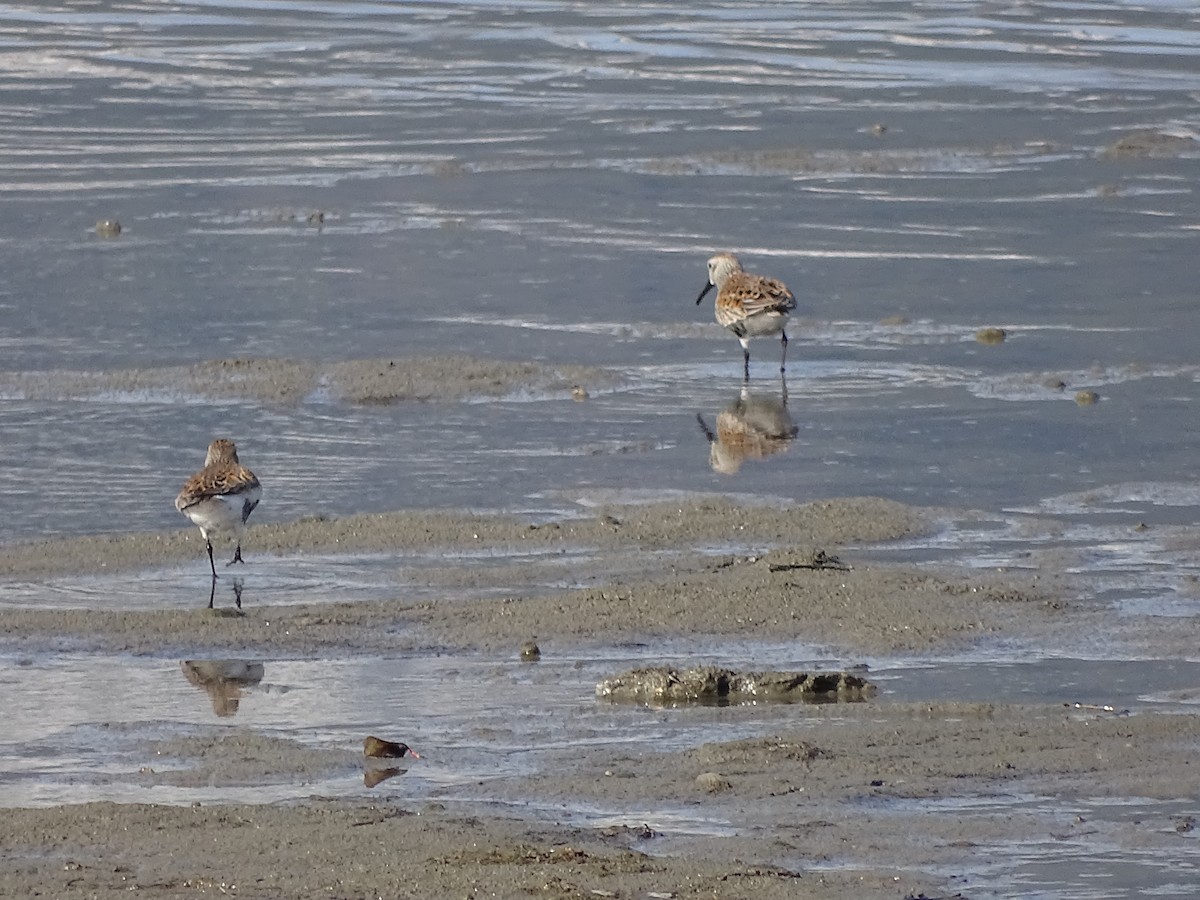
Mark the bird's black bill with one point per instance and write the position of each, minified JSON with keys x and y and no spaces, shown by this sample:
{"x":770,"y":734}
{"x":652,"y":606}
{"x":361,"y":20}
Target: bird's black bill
{"x":708,"y":287}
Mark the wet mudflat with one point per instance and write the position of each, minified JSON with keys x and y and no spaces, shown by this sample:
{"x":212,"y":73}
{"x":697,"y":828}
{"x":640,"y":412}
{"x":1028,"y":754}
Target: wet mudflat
{"x":895,"y":793}
{"x":433,"y":270}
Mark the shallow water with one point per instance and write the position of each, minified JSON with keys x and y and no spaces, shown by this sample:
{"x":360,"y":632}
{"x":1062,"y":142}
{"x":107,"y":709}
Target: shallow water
{"x":540,"y":181}
{"x":82,"y":728}
{"x":530,"y":181}
{"x":80,"y":725}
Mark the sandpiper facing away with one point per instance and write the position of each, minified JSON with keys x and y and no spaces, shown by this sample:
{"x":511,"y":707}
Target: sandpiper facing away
{"x":220,"y":497}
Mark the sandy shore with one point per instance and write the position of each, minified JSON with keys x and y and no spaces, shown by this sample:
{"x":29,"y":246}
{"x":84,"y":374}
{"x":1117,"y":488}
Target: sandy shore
{"x":640,"y":577}
{"x":858,"y":807}
{"x":290,"y":381}
{"x":340,"y":850}
{"x":851,"y":805}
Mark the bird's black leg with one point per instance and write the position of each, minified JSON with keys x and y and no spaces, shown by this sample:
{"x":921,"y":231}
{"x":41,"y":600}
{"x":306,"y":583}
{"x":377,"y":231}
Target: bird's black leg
{"x":783,"y":358}
{"x":237,"y":556}
{"x":746,"y":363}
{"x":212,"y":594}
{"x":212,"y":565}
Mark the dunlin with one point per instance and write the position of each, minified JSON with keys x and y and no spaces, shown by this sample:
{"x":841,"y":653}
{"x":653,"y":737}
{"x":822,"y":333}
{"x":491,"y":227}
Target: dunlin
{"x":748,"y":305}
{"x":220,"y":497}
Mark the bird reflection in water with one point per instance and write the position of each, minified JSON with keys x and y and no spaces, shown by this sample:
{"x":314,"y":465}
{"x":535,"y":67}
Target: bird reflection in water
{"x":223,"y":680}
{"x":236,"y":587}
{"x":751,"y":427}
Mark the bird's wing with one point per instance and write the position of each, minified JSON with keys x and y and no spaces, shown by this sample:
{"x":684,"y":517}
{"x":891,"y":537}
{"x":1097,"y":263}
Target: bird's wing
{"x":758,"y":294}
{"x":215,"y":481}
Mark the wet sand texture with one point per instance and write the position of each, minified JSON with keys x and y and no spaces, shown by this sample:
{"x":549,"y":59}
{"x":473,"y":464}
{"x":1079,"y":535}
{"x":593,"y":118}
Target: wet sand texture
{"x":792,"y":591}
{"x":800,"y":799}
{"x":654,"y":526}
{"x":801,"y":787}
{"x":290,"y":381}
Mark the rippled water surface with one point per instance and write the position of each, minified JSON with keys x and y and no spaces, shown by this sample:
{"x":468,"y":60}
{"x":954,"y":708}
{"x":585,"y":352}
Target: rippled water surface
{"x":544,"y":181}
{"x":340,"y":180}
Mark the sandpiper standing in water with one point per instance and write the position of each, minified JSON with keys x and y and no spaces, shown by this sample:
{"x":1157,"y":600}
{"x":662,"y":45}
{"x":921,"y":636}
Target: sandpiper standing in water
{"x":220,"y":497}
{"x":748,"y":305}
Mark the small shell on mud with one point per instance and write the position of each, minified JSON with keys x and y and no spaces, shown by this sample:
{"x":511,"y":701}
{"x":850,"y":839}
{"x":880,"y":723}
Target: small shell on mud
{"x":991,"y":335}
{"x":109,"y":228}
{"x":530,"y":652}
{"x":713,"y":782}
{"x":378,"y":748}
{"x":1149,"y":144}
{"x":1087,"y":398}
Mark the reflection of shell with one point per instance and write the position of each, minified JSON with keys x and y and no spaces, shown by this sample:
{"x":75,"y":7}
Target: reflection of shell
{"x":372,"y":777}
{"x":750,"y":428}
{"x":222,"y":680}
